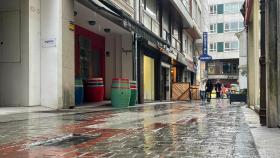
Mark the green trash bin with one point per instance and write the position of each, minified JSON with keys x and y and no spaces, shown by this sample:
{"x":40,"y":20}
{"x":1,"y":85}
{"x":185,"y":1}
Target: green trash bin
{"x":120,"y":94}
{"x":133,"y":89}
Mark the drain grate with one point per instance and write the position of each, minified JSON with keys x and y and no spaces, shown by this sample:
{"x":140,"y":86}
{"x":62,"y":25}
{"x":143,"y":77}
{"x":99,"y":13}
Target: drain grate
{"x":65,"y":141}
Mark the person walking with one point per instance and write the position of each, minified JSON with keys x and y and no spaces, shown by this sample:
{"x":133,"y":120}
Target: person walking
{"x":209,"y":88}
{"x":202,"y":88}
{"x":218,"y":88}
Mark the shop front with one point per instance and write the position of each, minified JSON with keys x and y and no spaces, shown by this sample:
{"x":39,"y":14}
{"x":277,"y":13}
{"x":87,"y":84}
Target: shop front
{"x":103,"y":51}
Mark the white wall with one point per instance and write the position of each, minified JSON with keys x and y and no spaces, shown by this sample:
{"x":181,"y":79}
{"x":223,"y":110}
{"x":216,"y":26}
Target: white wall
{"x":57,"y":63}
{"x":119,"y":62}
{"x":34,"y":52}
{"x":49,"y":56}
{"x":14,"y":75}
{"x":243,"y":60}
{"x":68,"y":54}
{"x":127,"y":57}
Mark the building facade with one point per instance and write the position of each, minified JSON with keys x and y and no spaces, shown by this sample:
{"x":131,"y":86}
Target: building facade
{"x":262,"y":22}
{"x":57,"y":42}
{"x":226,"y":21}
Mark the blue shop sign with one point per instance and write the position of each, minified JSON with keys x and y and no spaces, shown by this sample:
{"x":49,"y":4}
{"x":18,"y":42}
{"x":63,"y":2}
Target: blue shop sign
{"x":205,"y":56}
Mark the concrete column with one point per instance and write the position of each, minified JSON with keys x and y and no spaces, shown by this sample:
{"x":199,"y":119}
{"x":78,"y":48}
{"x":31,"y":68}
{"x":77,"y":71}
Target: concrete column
{"x":271,"y":62}
{"x":253,"y":57}
{"x":57,"y":59}
{"x":278,"y":61}
{"x":34,"y":52}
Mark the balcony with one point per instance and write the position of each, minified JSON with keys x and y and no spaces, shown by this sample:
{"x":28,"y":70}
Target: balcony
{"x":195,"y":31}
{"x":126,"y":5}
{"x":184,"y":12}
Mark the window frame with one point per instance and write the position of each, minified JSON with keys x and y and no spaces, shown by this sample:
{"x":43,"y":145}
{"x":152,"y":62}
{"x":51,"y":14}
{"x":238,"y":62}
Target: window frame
{"x":230,"y":48}
{"x":213,"y":11}
{"x":214,"y":48}
{"x":214,"y":30}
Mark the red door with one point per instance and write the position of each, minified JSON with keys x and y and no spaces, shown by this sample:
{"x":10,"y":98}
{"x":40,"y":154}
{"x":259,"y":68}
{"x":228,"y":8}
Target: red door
{"x":89,"y":54}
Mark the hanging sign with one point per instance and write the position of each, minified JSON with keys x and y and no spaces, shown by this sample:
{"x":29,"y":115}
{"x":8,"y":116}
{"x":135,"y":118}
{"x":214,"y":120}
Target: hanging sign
{"x":205,"y":56}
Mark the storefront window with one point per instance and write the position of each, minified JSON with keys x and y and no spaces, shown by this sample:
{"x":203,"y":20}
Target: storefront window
{"x":226,"y":68}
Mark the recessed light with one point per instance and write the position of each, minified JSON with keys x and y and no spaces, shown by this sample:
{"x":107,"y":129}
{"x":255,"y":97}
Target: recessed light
{"x":107,"y":30}
{"x":92,"y":22}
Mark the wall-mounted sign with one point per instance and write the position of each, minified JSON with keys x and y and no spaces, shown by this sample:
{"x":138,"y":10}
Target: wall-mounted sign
{"x":71,"y":26}
{"x":205,"y":56}
{"x":49,"y":42}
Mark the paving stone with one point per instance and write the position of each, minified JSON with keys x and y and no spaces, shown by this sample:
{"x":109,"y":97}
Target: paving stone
{"x":156,"y":131}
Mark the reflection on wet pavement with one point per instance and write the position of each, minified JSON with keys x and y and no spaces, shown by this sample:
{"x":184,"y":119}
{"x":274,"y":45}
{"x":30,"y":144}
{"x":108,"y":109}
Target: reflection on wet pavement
{"x":169,"y":130}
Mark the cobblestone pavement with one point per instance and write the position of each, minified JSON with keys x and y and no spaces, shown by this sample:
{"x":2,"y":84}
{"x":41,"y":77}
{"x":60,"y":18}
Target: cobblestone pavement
{"x":154,"y":131}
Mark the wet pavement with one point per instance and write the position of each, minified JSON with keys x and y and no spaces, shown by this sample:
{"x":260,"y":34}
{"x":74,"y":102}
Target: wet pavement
{"x":155,"y":131}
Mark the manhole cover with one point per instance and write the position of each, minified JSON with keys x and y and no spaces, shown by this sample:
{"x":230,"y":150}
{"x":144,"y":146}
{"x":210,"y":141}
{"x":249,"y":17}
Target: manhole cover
{"x":65,"y":141}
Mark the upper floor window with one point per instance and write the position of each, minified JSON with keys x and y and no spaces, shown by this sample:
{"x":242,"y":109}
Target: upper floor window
{"x":213,"y":28}
{"x":151,"y":7}
{"x":232,"y":7}
{"x":233,"y":26}
{"x":213,"y":47}
{"x":213,"y":9}
{"x":230,"y":46}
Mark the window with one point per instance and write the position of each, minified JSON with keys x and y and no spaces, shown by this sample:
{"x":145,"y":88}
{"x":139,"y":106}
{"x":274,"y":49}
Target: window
{"x":234,"y":68}
{"x":220,"y":27}
{"x":220,"y":8}
{"x":230,"y":68}
{"x":176,"y":35}
{"x":213,"y":9}
{"x":226,"y":68}
{"x":230,"y":46}
{"x":151,"y":7}
{"x":232,"y":7}
{"x":220,"y":46}
{"x":213,"y":47}
{"x":241,"y":25}
{"x":231,"y":27}
{"x":213,"y":28}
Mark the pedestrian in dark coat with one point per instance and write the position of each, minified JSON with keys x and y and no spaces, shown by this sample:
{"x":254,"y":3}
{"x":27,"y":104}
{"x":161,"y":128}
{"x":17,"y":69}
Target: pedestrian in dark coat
{"x":209,"y":88}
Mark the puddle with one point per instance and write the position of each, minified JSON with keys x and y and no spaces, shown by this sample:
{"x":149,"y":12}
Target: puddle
{"x":65,"y":141}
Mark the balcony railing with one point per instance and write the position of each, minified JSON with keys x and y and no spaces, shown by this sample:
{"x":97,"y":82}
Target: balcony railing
{"x":176,"y":44}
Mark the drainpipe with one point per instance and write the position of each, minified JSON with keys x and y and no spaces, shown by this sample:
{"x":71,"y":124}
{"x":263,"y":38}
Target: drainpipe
{"x":136,"y":6}
{"x":262,"y":111}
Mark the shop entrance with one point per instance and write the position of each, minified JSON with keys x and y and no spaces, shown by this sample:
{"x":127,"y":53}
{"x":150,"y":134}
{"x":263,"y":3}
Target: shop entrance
{"x":149,"y":78}
{"x":89,"y":58}
{"x":165,"y":82}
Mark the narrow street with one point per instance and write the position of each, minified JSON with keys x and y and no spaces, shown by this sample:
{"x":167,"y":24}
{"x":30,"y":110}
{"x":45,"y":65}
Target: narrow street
{"x":168,"y":130}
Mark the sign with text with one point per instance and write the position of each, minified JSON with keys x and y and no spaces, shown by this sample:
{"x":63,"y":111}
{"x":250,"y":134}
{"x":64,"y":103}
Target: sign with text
{"x":205,"y":56}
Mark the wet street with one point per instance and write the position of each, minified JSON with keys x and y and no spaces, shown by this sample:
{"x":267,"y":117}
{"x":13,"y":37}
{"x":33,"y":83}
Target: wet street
{"x":157,"y":131}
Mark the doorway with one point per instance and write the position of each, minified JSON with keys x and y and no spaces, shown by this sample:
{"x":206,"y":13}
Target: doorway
{"x":149,"y":79}
{"x":165,"y":82}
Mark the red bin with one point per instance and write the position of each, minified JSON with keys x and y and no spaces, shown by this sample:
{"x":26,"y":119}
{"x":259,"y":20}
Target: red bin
{"x":94,"y":90}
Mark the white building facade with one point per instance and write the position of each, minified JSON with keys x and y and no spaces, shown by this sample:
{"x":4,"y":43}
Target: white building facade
{"x":225,"y":21}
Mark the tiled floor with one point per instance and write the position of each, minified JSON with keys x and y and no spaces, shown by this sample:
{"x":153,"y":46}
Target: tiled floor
{"x":164,"y":130}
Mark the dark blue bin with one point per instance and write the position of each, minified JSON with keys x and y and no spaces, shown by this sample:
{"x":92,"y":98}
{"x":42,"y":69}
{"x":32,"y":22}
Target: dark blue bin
{"x":79,"y":92}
